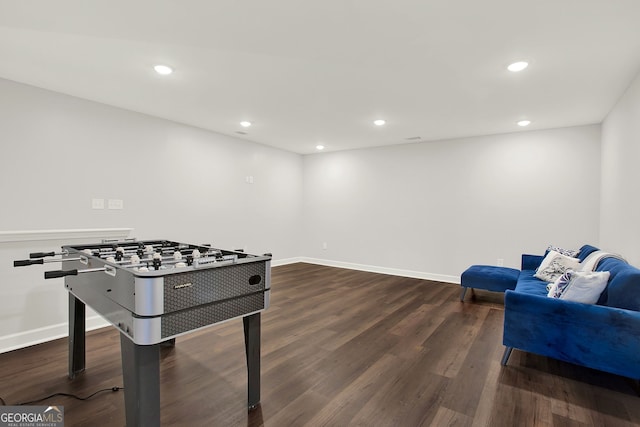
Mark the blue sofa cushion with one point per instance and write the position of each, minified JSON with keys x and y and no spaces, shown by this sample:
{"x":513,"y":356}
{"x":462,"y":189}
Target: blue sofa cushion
{"x":489,"y":277}
{"x":531,"y":285}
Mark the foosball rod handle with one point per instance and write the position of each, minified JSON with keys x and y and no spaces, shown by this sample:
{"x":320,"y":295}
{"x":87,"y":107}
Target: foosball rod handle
{"x":41,"y":254}
{"x":59,"y":273}
{"x":25,"y":262}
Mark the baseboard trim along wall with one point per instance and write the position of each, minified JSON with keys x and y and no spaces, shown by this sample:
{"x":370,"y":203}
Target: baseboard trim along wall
{"x":285,"y":261}
{"x":48,"y":333}
{"x":384,"y":270}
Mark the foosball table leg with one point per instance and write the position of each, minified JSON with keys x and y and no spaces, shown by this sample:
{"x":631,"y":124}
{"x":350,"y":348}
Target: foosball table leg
{"x":141,"y":375}
{"x":252,"y":350}
{"x":77,"y":321}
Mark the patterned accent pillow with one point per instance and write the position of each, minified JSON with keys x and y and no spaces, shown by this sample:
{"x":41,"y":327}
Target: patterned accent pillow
{"x":557,"y":288}
{"x":554,"y":265}
{"x":568,"y":252}
{"x":580,"y":286}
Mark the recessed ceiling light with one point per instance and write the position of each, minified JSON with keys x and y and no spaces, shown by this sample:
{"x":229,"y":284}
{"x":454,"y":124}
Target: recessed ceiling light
{"x":524,"y":123}
{"x":165,"y":70}
{"x":245,"y":124}
{"x":319,"y":147}
{"x":518,"y":66}
{"x":379,"y":122}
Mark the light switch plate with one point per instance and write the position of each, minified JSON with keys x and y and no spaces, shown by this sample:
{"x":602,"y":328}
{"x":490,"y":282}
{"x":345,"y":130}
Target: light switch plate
{"x":97,"y":203}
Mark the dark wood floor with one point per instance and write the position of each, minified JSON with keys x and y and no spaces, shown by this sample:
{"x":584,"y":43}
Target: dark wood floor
{"x":339,"y":348}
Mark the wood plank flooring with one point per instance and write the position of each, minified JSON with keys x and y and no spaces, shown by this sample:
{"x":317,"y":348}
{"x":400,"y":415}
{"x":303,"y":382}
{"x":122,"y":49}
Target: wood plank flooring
{"x":341,"y":348}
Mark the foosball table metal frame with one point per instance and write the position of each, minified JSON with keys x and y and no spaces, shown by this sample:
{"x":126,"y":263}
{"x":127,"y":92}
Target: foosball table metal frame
{"x":151,"y":308}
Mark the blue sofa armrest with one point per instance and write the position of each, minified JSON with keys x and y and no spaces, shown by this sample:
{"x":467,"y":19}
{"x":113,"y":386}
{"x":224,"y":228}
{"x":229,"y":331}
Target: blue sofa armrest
{"x":531,"y":262}
{"x":599,"y":337}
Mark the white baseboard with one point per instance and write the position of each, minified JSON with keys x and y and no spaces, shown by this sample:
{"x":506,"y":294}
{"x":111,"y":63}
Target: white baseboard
{"x":48,"y":333}
{"x":383,"y":270}
{"x":286,"y":261}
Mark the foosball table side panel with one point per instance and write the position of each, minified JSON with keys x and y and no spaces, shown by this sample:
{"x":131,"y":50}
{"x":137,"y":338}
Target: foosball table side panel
{"x":198,"y":317}
{"x":112,"y":312}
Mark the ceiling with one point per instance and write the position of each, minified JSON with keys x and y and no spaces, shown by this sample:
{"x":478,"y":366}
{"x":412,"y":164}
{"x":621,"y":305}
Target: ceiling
{"x":319,"y":72}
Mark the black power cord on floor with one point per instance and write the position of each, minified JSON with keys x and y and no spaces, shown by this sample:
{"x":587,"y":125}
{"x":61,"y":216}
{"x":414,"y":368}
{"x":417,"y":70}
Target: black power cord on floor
{"x":116,"y":388}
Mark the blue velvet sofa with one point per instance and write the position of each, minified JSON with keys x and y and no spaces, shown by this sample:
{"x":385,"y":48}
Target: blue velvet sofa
{"x":604,"y":336}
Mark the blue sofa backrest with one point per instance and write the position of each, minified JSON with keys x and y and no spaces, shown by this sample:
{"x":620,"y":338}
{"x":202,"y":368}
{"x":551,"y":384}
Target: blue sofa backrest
{"x":623,"y":289}
{"x":585,"y":251}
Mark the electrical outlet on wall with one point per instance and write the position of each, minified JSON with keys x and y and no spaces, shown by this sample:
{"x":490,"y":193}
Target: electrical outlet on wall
{"x":500,"y":262}
{"x":324,"y":246}
{"x":115,"y":204}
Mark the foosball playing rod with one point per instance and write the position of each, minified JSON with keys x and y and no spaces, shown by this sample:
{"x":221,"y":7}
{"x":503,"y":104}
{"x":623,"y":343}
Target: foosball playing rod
{"x":131,"y":246}
{"x":110,"y":252}
{"x":101,"y":251}
{"x":164,"y":257}
{"x":33,"y":255}
{"x":62,"y":273}
{"x":150,"y":258}
{"x":25,"y":262}
{"x":170,"y":261}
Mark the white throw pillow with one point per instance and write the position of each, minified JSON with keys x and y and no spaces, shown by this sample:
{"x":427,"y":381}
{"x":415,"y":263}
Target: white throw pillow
{"x":554,"y":265}
{"x":585,"y":286}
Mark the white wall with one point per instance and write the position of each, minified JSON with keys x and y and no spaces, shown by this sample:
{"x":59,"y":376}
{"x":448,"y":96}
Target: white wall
{"x":427,"y":209}
{"x":437,"y":207}
{"x":620,"y":204}
{"x":177,"y":182}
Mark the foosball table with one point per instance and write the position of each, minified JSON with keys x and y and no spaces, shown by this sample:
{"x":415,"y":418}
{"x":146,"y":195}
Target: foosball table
{"x":153,"y":291}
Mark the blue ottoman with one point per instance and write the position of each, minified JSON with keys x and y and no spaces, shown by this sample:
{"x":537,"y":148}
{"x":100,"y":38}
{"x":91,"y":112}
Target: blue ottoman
{"x":488,"y":277}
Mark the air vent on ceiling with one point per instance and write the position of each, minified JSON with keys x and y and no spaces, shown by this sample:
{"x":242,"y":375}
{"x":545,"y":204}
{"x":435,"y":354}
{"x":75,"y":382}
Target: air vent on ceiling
{"x":413,"y":138}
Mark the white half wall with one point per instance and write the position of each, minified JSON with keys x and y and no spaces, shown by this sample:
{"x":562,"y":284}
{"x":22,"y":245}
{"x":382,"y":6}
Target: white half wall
{"x":620,"y":204}
{"x":34,"y":310}
{"x":175,"y":182}
{"x":438,"y":207}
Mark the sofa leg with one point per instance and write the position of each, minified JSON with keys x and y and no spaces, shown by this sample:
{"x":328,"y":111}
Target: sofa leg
{"x":505,"y":355}
{"x":464,"y":291}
